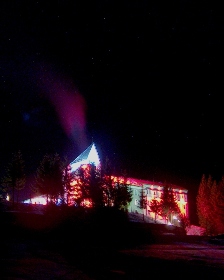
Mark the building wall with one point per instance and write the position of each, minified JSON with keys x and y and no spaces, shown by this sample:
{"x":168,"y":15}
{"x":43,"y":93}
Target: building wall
{"x":154,"y":191}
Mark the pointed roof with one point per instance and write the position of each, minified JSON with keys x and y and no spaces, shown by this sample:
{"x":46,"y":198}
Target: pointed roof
{"x":90,"y":155}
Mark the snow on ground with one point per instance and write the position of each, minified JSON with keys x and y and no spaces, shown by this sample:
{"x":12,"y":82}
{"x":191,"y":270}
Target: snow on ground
{"x":211,"y":255}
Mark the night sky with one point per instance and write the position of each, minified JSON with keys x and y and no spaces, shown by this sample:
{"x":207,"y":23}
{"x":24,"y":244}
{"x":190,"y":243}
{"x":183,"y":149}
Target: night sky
{"x":142,"y":79}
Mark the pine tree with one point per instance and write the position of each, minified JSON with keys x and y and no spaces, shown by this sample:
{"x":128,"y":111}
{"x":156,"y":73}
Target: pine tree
{"x":143,"y":201}
{"x":95,"y":186}
{"x":108,"y":181}
{"x":49,"y":178}
{"x":14,"y":180}
{"x":98,"y":188}
{"x":155,"y":208}
{"x":204,"y":205}
{"x":108,"y":190}
{"x":184,"y":221}
{"x":168,"y":204}
{"x":122,"y":193}
{"x":217,"y":207}
{"x":88,"y":186}
{"x":116,"y":190}
{"x":68,"y":180}
{"x":220,"y":204}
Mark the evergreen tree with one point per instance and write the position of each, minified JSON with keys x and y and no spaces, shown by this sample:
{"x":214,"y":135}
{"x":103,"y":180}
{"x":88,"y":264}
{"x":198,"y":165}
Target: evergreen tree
{"x":155,"y":208}
{"x":14,"y":180}
{"x":88,"y":186}
{"x":116,"y":189}
{"x":122,"y":193}
{"x":109,"y":190}
{"x":68,"y":179}
{"x":213,"y":200}
{"x":95,"y":186}
{"x":80,"y":187}
{"x":49,"y":178}
{"x":184,"y":222}
{"x":142,"y":201}
{"x":217,"y":207}
{"x":108,"y":182}
{"x":98,"y":188}
{"x":220,"y":204}
{"x":204,"y":204}
{"x":168,"y":204}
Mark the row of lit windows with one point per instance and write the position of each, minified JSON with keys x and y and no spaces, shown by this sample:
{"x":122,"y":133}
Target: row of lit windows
{"x":157,"y":194}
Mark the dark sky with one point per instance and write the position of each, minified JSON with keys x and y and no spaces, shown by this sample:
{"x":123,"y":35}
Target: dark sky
{"x":142,"y":79}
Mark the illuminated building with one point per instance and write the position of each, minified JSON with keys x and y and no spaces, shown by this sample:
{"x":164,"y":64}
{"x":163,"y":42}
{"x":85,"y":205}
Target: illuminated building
{"x":149,"y":189}
{"x":90,"y":155}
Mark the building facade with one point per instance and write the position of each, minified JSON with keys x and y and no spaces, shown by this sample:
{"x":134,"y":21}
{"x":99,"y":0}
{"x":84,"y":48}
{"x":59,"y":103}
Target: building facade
{"x":153,"y":191}
{"x":140,"y":188}
{"x":150,"y":190}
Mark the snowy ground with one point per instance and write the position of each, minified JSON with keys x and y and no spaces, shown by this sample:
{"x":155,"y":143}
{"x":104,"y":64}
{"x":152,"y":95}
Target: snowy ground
{"x":170,"y":255}
{"x":28,"y":260}
{"x":211,"y":255}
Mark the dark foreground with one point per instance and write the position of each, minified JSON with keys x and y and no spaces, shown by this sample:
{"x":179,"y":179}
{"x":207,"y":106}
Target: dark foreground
{"x":100,"y":251}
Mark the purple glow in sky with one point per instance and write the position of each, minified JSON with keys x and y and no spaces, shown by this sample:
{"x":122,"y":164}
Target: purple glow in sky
{"x":69,"y":105}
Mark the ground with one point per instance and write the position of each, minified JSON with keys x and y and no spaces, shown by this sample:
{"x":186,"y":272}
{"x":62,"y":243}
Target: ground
{"x":106,"y":253}
{"x":21,"y":259}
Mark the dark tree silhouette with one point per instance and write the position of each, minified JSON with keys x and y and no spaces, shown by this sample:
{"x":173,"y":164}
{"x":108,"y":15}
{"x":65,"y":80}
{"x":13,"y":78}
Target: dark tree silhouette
{"x":122,"y":193}
{"x":96,"y":188}
{"x":87,"y":187}
{"x":49,"y":178}
{"x":116,"y":190}
{"x":68,"y":178}
{"x":142,"y":202}
{"x":168,"y":204}
{"x":204,"y":204}
{"x":155,"y":208}
{"x":15,"y":178}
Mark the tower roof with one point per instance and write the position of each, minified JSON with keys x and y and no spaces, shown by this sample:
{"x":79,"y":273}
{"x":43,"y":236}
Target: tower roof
{"x":89,"y":156}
